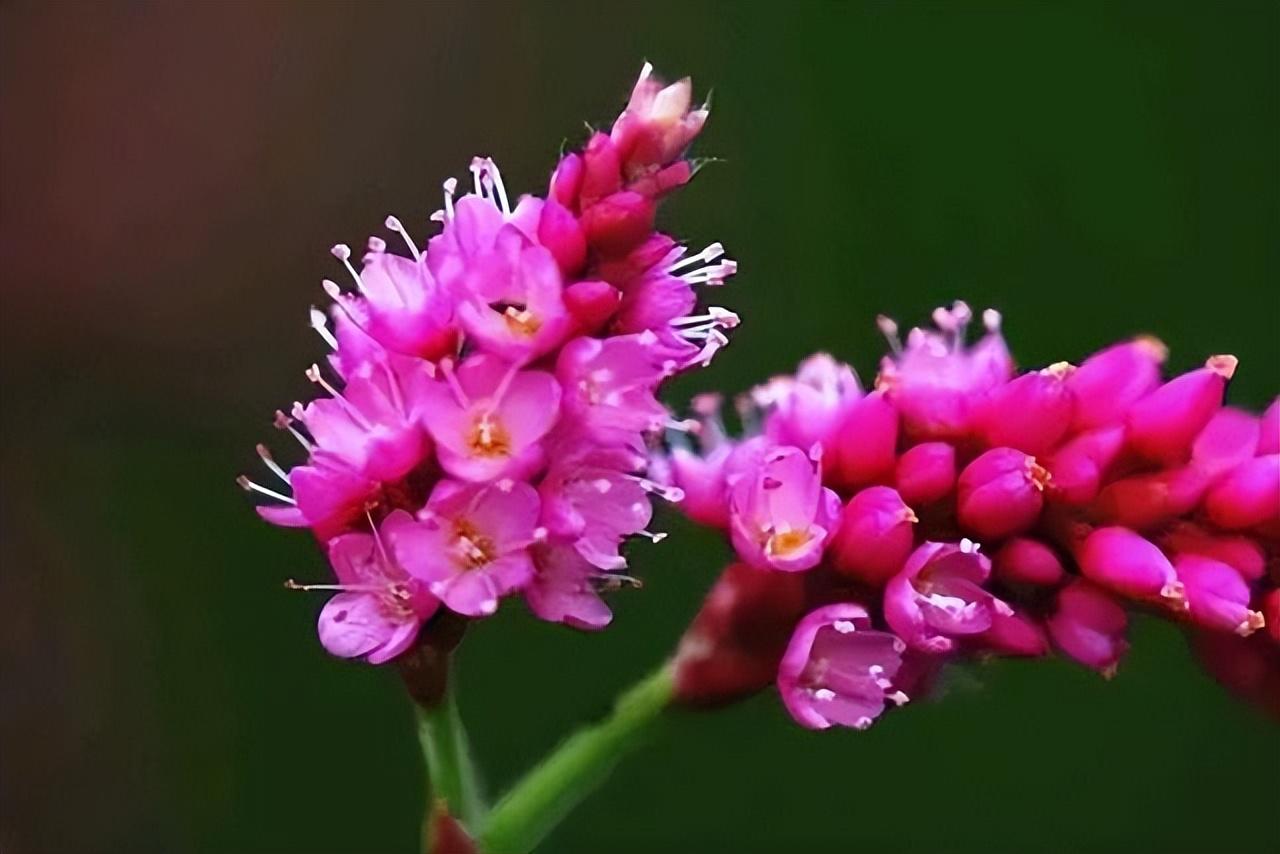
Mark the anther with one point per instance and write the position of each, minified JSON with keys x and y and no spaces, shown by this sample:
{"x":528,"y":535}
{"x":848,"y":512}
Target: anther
{"x":393,"y":223}
{"x":249,"y":486}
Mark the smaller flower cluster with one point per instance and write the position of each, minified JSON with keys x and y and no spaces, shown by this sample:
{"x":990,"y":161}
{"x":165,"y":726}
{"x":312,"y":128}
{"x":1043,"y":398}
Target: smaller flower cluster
{"x":857,"y":517}
{"x":488,"y":402}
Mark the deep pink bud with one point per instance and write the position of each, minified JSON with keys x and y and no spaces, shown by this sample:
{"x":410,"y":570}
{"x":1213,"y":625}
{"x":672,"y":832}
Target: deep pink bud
{"x":1078,"y":466}
{"x":1217,"y":597}
{"x":1241,"y":553}
{"x":1000,"y":493}
{"x":733,"y":646}
{"x":591,"y":304}
{"x":1026,"y":561}
{"x":559,"y":231}
{"x":1246,"y":496}
{"x":1089,"y":626}
{"x":926,"y":473}
{"x":566,"y":181}
{"x":1127,"y":563}
{"x":1031,"y":413}
{"x":1112,"y":380}
{"x":1269,"y":429}
{"x":1149,"y":500}
{"x":601,"y":171}
{"x":618,"y":223}
{"x":1162,"y":426}
{"x":866,"y":442}
{"x":838,"y":670}
{"x":875,"y":535}
{"x":1230,"y":438}
{"x":1014,"y":634}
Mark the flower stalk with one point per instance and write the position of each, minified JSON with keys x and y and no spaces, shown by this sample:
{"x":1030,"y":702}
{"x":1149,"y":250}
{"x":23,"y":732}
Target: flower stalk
{"x":575,"y":769}
{"x":451,"y":773}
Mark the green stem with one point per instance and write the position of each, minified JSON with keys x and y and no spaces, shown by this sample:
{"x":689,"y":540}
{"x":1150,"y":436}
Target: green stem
{"x":571,"y":772}
{"x":451,"y":774}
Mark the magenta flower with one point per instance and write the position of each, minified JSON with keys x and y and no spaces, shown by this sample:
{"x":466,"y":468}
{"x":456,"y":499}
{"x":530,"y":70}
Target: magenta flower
{"x":1217,"y":595}
{"x":937,"y":380}
{"x":471,"y":546}
{"x":875,"y":535}
{"x":493,"y":396}
{"x":938,"y":596}
{"x":564,"y":588}
{"x":838,"y":670}
{"x":380,"y":608}
{"x":781,"y":516}
{"x":488,"y":417}
{"x":1000,"y":493}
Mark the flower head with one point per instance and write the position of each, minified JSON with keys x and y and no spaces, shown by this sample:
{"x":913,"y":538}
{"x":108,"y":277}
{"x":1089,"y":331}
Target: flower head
{"x":491,"y":394}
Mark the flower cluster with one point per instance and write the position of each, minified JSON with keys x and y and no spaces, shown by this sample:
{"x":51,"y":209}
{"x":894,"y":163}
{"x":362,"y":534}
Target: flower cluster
{"x":488,"y":403}
{"x":960,"y":508}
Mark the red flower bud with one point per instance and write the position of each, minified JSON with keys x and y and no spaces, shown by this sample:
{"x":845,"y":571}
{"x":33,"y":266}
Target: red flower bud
{"x":1000,"y":493}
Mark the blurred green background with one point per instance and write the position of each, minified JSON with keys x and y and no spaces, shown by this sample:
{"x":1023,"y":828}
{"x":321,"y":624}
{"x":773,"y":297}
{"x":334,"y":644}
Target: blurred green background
{"x":172,"y":176}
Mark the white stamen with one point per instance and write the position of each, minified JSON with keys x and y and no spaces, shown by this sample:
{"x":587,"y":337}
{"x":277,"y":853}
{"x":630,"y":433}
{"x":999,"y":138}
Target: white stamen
{"x":283,"y":422}
{"x":395,"y":225}
{"x":826,"y":695}
{"x":889,"y":330}
{"x":270,"y":463}
{"x":706,"y":256}
{"x":320,"y":324}
{"x":674,"y":494}
{"x":344,"y":588}
{"x":446,"y":368}
{"x":376,"y":244}
{"x":450,"y":187}
{"x":844,"y":627}
{"x":715,"y":341}
{"x":342,"y":252}
{"x":496,"y":174}
{"x":991,"y":320}
{"x":655,"y":537}
{"x":249,"y":486}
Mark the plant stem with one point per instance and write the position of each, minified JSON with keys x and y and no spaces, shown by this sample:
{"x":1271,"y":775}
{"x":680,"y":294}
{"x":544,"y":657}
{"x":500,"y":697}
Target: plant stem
{"x":571,"y":772}
{"x":451,"y":775}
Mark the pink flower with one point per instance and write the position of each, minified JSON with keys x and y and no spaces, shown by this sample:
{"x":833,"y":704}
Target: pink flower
{"x":563,"y":589}
{"x":838,"y":670}
{"x":1014,"y":633}
{"x":591,"y":497}
{"x":1089,"y":626}
{"x":938,"y":596}
{"x":380,"y":608}
{"x":363,"y":439}
{"x":488,"y":417}
{"x":781,"y":516}
{"x":400,"y":305}
{"x":866,"y":441}
{"x":937,"y":381}
{"x":1079,"y":466}
{"x":609,"y":384}
{"x":471,"y":547}
{"x":808,"y":408}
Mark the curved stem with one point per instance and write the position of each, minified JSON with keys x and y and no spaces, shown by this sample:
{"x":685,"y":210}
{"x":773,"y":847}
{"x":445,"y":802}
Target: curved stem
{"x":571,"y":772}
{"x":451,"y":773}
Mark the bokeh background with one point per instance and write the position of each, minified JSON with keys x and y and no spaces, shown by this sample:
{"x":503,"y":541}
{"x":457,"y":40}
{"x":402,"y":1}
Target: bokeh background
{"x":172,"y":176}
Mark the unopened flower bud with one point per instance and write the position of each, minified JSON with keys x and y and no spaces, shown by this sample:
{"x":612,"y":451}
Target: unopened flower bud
{"x":1217,"y":597}
{"x":1110,"y":381}
{"x":1247,"y":496}
{"x":1090,"y":626}
{"x":1031,"y":413}
{"x":866,"y":442}
{"x":1079,"y":465}
{"x":1023,"y":560}
{"x":926,"y":472}
{"x":1000,"y":493}
{"x":1125,"y":562}
{"x":1162,"y":425}
{"x":875,"y":535}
